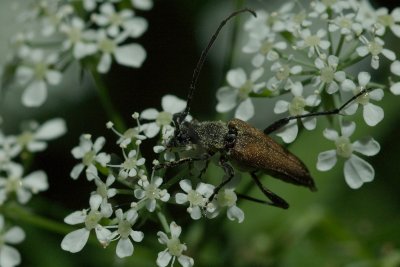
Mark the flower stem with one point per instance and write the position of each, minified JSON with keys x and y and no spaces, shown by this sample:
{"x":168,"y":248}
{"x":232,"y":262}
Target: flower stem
{"x":340,"y":45}
{"x":163,"y":222}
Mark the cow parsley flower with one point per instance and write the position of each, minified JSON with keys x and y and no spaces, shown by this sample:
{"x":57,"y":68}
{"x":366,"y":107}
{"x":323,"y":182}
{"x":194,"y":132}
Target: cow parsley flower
{"x":125,"y":234}
{"x":76,"y":240}
{"x":197,"y":198}
{"x":36,"y":74}
{"x":226,"y":197}
{"x":372,"y":114}
{"x":391,"y":21}
{"x":129,"y":168}
{"x":9,"y":256}
{"x":314,"y":42}
{"x":356,"y":170}
{"x":237,"y":93}
{"x":296,"y":107}
{"x":328,"y":73}
{"x":347,"y":25}
{"x":174,"y":248}
{"x":170,"y":105}
{"x":374,"y":47}
{"x":282,"y":73}
{"x":150,"y":192}
{"x":90,"y":154}
{"x":13,"y":181}
{"x":263,"y":49}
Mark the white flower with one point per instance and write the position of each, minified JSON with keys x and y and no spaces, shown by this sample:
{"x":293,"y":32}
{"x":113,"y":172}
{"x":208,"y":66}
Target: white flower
{"x":36,"y":74}
{"x":313,"y":41}
{"x":375,"y":48}
{"x":23,"y":187}
{"x":8,"y":149}
{"x":125,"y":232}
{"x":387,"y":20}
{"x":395,"y":69}
{"x":89,"y":153}
{"x":226,"y":197}
{"x":9,"y":256}
{"x":34,"y":139}
{"x":53,"y":17}
{"x":282,"y":74}
{"x":197,"y":198}
{"x":321,"y":7}
{"x":372,"y":114}
{"x":263,"y":49}
{"x":238,"y":92}
{"x":328,"y":73}
{"x":114,"y":21}
{"x":356,"y":170}
{"x":131,"y":134}
{"x":150,"y":192}
{"x":129,"y":168}
{"x":78,"y":38}
{"x":130,"y":55}
{"x":174,"y":248}
{"x":170,"y":105}
{"x":105,"y":192}
{"x":142,"y":4}
{"x":297,"y":21}
{"x":347,"y":25}
{"x":296,"y":107}
{"x":76,"y":240}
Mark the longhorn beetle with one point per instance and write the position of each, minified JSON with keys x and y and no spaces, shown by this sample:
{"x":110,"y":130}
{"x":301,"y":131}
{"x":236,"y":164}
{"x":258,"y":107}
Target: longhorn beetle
{"x":239,"y":143}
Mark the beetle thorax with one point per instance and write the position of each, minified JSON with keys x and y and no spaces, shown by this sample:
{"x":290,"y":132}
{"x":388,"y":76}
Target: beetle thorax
{"x":210,"y":135}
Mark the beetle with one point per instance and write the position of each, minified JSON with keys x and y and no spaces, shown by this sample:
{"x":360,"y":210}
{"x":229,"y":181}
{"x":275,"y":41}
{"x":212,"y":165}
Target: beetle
{"x":241,"y":145}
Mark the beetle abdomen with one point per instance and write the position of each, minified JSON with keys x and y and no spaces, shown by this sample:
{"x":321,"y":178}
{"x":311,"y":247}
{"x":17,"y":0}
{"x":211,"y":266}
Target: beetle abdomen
{"x":256,"y":150}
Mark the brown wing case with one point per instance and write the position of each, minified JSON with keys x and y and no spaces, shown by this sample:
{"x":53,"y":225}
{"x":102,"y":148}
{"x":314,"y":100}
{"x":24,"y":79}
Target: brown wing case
{"x":255,"y":149}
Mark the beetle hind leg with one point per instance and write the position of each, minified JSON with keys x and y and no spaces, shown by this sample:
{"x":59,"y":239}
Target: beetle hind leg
{"x":276,"y":200}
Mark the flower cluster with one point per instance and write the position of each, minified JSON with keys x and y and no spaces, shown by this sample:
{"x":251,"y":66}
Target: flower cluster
{"x":318,"y":68}
{"x":16,"y":182}
{"x":146,"y":187}
{"x":59,"y":32}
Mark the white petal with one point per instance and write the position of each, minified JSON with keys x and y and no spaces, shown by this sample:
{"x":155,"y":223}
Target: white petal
{"x":186,"y":185}
{"x":326,"y":160}
{"x":142,"y":4}
{"x":226,"y":99}
{"x":330,"y":134}
{"x":395,"y":88}
{"x":340,"y":76}
{"x":185,"y":261}
{"x":362,"y":51}
{"x":235,"y":213}
{"x":205,"y":189}
{"x":105,"y":63}
{"x":376,"y":94}
{"x":372,"y":114}
{"x":163,"y":258}
{"x":137,"y":236}
{"x":131,"y":55}
{"x":389,"y":54}
{"x":77,"y":170}
{"x":36,"y":146}
{"x":75,"y":241}
{"x":151,"y":205}
{"x":95,"y":202}
{"x":23,"y":195}
{"x":53,"y":77}
{"x":103,"y":235}
{"x":9,"y":256}
{"x":245,"y":110}
{"x":395,"y":68}
{"x":367,"y":146}
{"x":35,"y":94}
{"x":175,"y":229}
{"x":281,"y":106}
{"x":348,"y":85}
{"x":162,"y":237}
{"x":51,"y":129}
{"x":256,"y":74}
{"x":289,"y":132}
{"x":172,"y":104}
{"x":236,"y":77}
{"x":14,"y":235}
{"x":348,"y":128}
{"x":136,"y":26}
{"x":364,"y":78}
{"x":351,"y":108}
{"x":75,"y":218}
{"x":309,"y":123}
{"x":99,"y":143}
{"x":149,"y":114}
{"x":124,"y":248}
{"x":151,"y":129}
{"x":139,"y":193}
{"x":195,"y":213}
{"x":181,"y":198}
{"x":36,"y":181}
{"x":24,"y":74}
{"x":395,"y":29}
{"x":357,"y":171}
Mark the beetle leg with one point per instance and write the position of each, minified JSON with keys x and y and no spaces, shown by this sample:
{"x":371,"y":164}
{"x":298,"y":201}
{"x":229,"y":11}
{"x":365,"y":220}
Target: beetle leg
{"x":228,"y":169}
{"x":276,"y":200}
{"x":170,"y":164}
{"x":282,"y":122}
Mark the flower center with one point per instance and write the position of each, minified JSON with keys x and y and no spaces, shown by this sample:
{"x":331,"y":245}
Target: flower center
{"x":74,"y":35}
{"x":299,"y":17}
{"x":92,"y":219}
{"x":327,"y":74}
{"x":226,"y":198}
{"x":129,"y":163}
{"x":312,"y":40}
{"x":13,"y":184}
{"x":88,"y":158}
{"x":195,"y":198}
{"x":343,"y":147}
{"x":115,"y":19}
{"x":40,"y":70}
{"x":164,"y":118}
{"x":175,"y":247}
{"x":266,"y":47}
{"x":345,"y":23}
{"x":152,"y":192}
{"x":362,"y":99}
{"x":124,"y":228}
{"x":102,"y":190}
{"x":245,"y":90}
{"x":25,"y":138}
{"x":107,"y":45}
{"x":375,"y":48}
{"x":283,"y":73}
{"x":297,"y":105}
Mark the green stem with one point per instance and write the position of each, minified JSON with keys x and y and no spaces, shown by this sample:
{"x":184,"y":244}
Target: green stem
{"x":163,"y":222}
{"x":351,"y":62}
{"x":105,"y":100}
{"x":19,"y":213}
{"x":340,"y":45}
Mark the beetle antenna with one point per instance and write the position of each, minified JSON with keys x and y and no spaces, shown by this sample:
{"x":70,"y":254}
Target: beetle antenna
{"x":181,"y":116}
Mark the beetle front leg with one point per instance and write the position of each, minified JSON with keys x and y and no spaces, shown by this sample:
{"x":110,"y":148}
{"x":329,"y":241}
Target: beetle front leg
{"x":276,"y":200}
{"x":170,"y":164}
{"x":228,"y":169}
